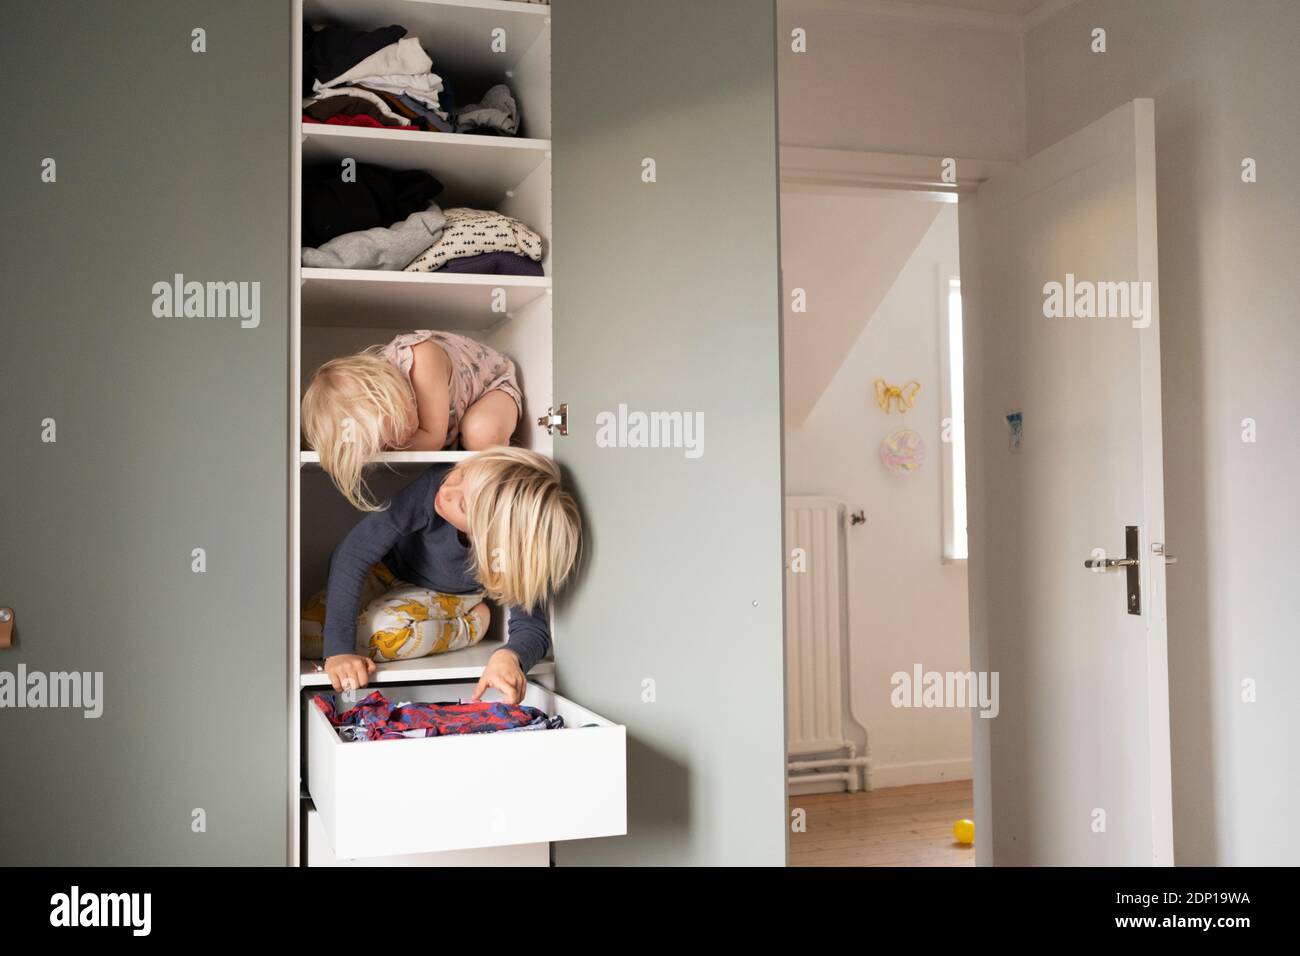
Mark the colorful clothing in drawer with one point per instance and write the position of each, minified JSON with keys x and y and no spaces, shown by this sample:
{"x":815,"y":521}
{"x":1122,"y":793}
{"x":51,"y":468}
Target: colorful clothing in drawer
{"x":376,"y":718}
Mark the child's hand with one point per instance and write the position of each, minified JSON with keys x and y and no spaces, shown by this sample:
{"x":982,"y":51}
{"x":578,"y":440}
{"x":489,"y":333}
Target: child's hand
{"x":504,"y":673}
{"x":344,"y":667}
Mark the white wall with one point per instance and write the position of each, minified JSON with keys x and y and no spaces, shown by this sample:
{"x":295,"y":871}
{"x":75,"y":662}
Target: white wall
{"x":895,"y":82}
{"x":831,"y":240}
{"x":1224,"y":78}
{"x":905,"y":606}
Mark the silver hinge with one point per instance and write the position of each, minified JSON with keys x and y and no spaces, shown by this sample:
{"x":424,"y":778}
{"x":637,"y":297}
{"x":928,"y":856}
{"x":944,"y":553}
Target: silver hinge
{"x":553,"y":420}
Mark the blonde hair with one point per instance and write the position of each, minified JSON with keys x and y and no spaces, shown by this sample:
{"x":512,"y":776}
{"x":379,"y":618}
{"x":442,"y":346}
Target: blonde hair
{"x":524,"y":530}
{"x":344,"y":413}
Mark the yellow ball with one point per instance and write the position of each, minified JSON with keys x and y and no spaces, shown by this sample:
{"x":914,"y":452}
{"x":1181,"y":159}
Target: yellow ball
{"x":964,"y":831}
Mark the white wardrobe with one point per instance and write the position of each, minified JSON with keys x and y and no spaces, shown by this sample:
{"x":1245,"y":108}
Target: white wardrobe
{"x":485,"y":799}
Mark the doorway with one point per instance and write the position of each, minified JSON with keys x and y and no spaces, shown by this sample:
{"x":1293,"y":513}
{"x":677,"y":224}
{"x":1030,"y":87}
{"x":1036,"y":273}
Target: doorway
{"x":880,"y":768}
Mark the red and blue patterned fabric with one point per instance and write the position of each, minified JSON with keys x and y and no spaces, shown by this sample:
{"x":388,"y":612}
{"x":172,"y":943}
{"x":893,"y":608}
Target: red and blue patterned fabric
{"x":376,"y":718}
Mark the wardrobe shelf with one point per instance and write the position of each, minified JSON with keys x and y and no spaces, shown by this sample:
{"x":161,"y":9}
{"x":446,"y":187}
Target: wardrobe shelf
{"x":475,"y":171}
{"x":464,"y":664}
{"x":367,"y":298}
{"x":398,"y":457}
{"x":455,"y":33}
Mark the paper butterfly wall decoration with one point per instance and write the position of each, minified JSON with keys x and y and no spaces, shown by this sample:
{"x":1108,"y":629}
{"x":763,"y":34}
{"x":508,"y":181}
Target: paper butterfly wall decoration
{"x":903,"y":396}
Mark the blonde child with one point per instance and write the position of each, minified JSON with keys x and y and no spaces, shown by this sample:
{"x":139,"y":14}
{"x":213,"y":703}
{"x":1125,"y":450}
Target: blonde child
{"x":495,"y":525}
{"x":423,"y":391}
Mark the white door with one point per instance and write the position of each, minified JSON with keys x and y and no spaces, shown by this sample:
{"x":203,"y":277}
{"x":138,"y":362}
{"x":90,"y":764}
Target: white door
{"x":1074,"y":768}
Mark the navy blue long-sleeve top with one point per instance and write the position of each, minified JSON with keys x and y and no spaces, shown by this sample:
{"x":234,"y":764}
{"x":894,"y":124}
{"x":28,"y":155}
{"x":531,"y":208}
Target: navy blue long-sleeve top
{"x":419,"y":546}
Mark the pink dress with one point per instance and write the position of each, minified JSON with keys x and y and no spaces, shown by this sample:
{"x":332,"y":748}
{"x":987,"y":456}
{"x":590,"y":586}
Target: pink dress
{"x":475,"y":371}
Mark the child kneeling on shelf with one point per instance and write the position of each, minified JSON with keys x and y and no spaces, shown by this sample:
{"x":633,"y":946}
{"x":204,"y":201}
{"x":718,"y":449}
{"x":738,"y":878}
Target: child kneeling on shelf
{"x":496,"y":525}
{"x":423,"y":391}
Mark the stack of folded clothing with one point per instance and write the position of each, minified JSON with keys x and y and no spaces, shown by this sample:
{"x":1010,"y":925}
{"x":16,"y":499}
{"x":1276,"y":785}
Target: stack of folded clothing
{"x":381,"y":220}
{"x":384,"y":78}
{"x":496,"y":115}
{"x":471,"y":241}
{"x":484,"y":242}
{"x":371,"y":78}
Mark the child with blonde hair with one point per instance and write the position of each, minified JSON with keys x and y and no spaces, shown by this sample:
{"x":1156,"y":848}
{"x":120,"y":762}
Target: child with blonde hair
{"x":496,"y":525}
{"x":423,"y":391}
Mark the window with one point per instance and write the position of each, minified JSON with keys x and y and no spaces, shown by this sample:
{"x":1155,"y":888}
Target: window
{"x":954,"y":423}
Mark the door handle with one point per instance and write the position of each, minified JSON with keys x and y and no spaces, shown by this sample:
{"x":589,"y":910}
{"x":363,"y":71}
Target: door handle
{"x":1132,"y":566}
{"x":1105,"y":564}
{"x":6,"y":627}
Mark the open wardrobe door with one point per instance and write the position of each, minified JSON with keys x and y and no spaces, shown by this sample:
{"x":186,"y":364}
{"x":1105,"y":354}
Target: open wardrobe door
{"x":667,"y":356}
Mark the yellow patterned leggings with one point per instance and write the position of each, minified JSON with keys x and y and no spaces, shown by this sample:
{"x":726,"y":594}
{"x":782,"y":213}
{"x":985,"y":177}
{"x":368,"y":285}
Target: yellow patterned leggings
{"x":398,"y":620}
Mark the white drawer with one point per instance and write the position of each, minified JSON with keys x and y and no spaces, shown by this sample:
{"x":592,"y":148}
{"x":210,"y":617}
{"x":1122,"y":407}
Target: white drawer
{"x":393,"y":797}
{"x":320,"y":853}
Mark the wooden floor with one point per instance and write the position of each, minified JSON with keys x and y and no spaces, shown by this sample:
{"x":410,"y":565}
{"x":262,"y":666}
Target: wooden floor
{"x":900,"y":826}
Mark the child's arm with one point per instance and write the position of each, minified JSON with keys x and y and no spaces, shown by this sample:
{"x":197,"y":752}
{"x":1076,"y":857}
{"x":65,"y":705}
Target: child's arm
{"x":529,"y":635}
{"x":371,"y":539}
{"x":431,"y":382}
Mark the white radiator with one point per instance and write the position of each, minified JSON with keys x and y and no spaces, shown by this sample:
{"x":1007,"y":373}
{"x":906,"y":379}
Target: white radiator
{"x":817,"y":644}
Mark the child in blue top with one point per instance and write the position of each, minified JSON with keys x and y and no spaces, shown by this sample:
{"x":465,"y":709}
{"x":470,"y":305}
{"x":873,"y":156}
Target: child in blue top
{"x":496,"y":525}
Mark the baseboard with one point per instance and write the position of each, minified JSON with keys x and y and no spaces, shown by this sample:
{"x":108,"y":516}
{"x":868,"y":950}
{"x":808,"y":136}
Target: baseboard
{"x":812,"y":785}
{"x":880,"y":776}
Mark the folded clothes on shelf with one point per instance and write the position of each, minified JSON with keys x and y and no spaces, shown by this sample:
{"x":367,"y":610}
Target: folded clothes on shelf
{"x":328,"y":52}
{"x":376,"y":718}
{"x":433,"y":121}
{"x":394,"y":74}
{"x":472,"y":232}
{"x":358,"y":119}
{"x":354,"y":100}
{"x":396,"y":77}
{"x":494,"y":264}
{"x":395,"y":64}
{"x":496,"y":115}
{"x":378,"y":197}
{"x":383,"y":247}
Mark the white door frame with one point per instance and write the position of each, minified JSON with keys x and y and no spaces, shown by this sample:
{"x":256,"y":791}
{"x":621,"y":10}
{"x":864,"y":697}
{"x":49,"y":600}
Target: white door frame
{"x":809,"y":169}
{"x":814,"y":170}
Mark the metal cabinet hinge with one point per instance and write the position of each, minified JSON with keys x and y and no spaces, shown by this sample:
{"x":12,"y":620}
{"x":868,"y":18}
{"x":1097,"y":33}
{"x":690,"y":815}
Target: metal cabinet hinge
{"x":554,"y":420}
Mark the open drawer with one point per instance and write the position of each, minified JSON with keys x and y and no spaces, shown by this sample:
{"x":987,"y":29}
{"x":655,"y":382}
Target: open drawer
{"x":389,"y":797}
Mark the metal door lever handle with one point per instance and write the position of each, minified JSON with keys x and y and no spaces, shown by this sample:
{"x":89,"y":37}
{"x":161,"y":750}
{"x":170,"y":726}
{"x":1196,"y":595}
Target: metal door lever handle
{"x":1130,"y":564}
{"x":1105,"y":564}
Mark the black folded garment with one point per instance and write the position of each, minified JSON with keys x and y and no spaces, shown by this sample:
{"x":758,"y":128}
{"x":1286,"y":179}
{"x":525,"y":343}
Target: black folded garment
{"x":379,"y":197}
{"x":332,"y":51}
{"x":494,"y":264}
